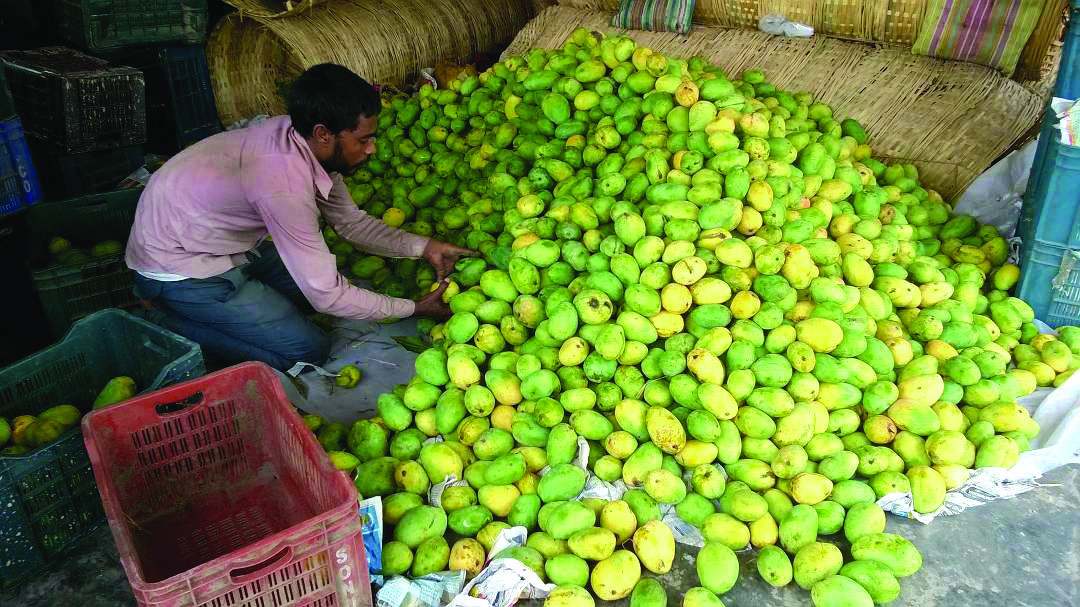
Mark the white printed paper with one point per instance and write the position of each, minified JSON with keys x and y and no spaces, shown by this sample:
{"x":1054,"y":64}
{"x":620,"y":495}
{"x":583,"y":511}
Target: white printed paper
{"x":432,"y":590}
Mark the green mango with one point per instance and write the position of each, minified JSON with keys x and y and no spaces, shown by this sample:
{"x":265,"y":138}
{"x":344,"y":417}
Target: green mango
{"x":798,"y":528}
{"x":665,"y":487}
{"x":815,"y":562}
{"x":893,"y":551}
{"x":569,"y":596}
{"x":863,"y":519}
{"x":717,"y":567}
{"x":561,"y":482}
{"x":615,"y":577}
{"x":469,"y":520}
{"x":875,"y":578}
{"x":432,"y":556}
{"x":567,"y":570}
{"x":565,"y":519}
{"x":725,"y":529}
{"x":397,"y":558}
{"x":648,"y":592}
{"x":839,"y":591}
{"x":830,"y":517}
{"x":997,"y":451}
{"x":420,"y":524}
{"x":849,"y":493}
{"x":774,"y":566}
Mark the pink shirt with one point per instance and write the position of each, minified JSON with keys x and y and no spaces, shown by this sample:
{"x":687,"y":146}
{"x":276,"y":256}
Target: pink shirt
{"x":213,"y":202}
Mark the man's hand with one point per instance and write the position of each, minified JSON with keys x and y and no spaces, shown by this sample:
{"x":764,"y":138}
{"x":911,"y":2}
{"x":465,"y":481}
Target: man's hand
{"x":432,"y":304}
{"x":443,"y":256}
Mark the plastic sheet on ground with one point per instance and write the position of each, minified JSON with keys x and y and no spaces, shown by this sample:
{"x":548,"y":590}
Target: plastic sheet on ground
{"x":996,"y":197}
{"x":779,"y":25}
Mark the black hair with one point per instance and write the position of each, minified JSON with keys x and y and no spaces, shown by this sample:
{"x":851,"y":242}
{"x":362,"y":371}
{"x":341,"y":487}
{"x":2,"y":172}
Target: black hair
{"x":331,"y":95}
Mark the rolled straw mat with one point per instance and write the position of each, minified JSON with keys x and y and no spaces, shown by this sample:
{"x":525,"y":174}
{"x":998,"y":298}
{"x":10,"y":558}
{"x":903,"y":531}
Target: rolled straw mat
{"x":273,"y":9}
{"x":386,"y":42}
{"x":950,"y":119}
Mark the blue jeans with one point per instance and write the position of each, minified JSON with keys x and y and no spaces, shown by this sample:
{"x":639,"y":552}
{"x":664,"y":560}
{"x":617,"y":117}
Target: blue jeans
{"x":254,"y":312}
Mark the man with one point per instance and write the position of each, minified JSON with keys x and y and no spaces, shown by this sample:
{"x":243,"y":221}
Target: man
{"x":199,"y":248}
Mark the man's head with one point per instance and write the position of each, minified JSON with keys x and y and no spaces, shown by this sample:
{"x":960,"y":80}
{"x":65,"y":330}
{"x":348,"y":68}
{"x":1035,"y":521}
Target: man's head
{"x":336,"y":111}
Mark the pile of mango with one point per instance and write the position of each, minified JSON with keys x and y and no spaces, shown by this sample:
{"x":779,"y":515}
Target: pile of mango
{"x":712,"y":285}
{"x":63,"y":252}
{"x":24,"y":434}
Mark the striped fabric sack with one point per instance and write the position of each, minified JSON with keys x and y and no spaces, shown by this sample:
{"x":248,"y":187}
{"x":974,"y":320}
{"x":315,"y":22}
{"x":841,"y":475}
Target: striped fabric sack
{"x":655,"y":15}
{"x":989,"y":32}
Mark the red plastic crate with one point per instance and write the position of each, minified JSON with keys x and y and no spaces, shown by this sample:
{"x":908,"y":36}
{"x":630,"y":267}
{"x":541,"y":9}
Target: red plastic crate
{"x":218,"y":496}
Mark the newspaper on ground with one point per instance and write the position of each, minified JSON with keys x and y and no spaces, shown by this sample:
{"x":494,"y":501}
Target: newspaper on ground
{"x":432,"y":590}
{"x":371,"y":521}
{"x":501,"y":584}
{"x":503,"y":581}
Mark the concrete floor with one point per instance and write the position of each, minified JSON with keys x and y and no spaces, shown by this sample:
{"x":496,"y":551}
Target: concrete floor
{"x":1024,"y":552}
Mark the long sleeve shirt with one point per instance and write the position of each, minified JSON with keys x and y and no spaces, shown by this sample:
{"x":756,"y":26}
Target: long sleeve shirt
{"x":212,"y":203}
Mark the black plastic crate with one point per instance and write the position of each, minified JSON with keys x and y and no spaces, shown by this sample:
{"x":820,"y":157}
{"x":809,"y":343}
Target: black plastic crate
{"x":71,"y":291}
{"x":180,"y":108}
{"x":48,"y":498}
{"x":7,"y":106}
{"x":76,"y":102}
{"x":69,"y":175}
{"x":101,"y":25}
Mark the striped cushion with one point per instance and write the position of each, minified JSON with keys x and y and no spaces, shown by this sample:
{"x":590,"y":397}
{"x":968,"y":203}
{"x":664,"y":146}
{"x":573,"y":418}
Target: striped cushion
{"x":655,"y":15}
{"x":990,"y":32}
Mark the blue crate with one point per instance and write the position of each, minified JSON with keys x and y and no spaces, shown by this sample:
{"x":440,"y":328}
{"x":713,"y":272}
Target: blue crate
{"x":1025,"y":227}
{"x":19,"y":185}
{"x":48,"y":498}
{"x":1040,"y":267}
{"x":1051,"y":212}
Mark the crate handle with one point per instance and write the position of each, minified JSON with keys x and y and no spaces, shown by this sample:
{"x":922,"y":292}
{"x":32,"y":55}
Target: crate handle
{"x":92,"y":208}
{"x":178,"y":406}
{"x":245,"y":574}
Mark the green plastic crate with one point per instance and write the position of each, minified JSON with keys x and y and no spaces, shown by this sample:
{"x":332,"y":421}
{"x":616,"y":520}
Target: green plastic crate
{"x":101,"y":25}
{"x":70,"y":292}
{"x":48,"y":498}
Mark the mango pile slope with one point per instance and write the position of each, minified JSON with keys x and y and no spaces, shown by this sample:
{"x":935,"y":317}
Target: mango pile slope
{"x":715,"y":286}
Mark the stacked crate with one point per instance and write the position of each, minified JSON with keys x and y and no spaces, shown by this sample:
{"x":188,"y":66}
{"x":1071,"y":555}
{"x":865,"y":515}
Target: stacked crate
{"x":90,"y":118}
{"x":134,"y":80}
{"x":85,"y":119}
{"x":180,"y":107}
